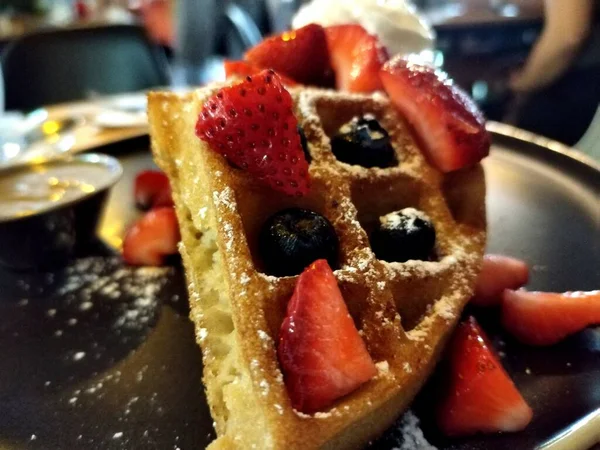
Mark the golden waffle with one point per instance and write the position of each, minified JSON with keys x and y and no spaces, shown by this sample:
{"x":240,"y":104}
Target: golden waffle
{"x":403,"y":311}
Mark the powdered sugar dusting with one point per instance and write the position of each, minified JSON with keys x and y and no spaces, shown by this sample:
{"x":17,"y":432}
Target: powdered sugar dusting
{"x":224,"y":198}
{"x":411,"y":434}
{"x":383,"y":367}
{"x":244,"y":278}
{"x":405,"y":218}
{"x":133,"y":293}
{"x":265,"y":339}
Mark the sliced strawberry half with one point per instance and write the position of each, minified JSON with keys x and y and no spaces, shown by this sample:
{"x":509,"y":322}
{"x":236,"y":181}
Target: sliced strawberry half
{"x":356,"y":58}
{"x":322,"y":355}
{"x":252,"y":124}
{"x":481,"y":396}
{"x":446,"y":121}
{"x":497,"y":274}
{"x":299,"y":54}
{"x":242,"y":69}
{"x":545,"y":318}
{"x":151,"y":238}
{"x":152,"y":190}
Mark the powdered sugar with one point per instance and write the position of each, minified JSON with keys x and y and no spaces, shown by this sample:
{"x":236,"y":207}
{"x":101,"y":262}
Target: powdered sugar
{"x":202,"y":334}
{"x":411,"y":434}
{"x":405,"y":219}
{"x":383,"y":367}
{"x":224,"y":198}
{"x":244,"y":278}
{"x":265,"y":339}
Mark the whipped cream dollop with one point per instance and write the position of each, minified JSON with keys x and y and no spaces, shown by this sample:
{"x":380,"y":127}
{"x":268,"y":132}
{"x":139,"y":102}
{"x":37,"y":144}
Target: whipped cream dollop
{"x":396,"y":22}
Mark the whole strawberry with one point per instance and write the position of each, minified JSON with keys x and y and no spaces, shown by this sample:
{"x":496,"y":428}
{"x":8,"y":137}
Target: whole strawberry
{"x":252,"y":124}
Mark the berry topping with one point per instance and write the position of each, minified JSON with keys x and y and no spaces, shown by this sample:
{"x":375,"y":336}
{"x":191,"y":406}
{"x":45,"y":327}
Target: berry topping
{"x":545,"y":318}
{"x":293,"y":238}
{"x":252,"y":125}
{"x":363,"y":141}
{"x":151,"y":238}
{"x":447,"y":122}
{"x":498,"y":273}
{"x":322,"y":356}
{"x":356,"y":58}
{"x":299,"y":54}
{"x":242,"y":69}
{"x":152,"y":190}
{"x":481,"y":396}
{"x":403,"y":235}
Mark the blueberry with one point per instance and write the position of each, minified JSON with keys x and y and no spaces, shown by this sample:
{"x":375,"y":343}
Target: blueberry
{"x":363,"y":141}
{"x":304,"y":143}
{"x":403,"y":235}
{"x":293,"y":238}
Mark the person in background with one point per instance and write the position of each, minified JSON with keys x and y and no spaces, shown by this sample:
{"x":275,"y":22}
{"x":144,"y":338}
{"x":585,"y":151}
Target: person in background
{"x":157,"y":17}
{"x":558,"y":89}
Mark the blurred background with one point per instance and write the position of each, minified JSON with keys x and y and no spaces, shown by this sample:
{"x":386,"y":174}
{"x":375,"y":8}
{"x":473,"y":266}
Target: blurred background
{"x":532,"y":63}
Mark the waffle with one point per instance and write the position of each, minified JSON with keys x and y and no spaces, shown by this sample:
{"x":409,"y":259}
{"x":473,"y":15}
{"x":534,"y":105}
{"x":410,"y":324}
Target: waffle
{"x":403,"y":311}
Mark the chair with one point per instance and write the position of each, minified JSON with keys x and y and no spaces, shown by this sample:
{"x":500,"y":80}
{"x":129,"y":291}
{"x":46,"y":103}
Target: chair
{"x":63,"y":65}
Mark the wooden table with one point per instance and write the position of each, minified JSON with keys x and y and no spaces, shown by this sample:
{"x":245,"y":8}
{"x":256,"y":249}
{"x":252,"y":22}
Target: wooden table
{"x":89,"y":135}
{"x":13,"y":27}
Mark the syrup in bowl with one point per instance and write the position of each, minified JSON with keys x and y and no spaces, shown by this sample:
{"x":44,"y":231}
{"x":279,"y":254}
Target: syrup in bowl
{"x":37,"y":188}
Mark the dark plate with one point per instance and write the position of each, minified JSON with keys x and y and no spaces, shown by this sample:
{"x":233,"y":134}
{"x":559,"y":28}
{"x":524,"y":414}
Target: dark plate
{"x":100,"y":356}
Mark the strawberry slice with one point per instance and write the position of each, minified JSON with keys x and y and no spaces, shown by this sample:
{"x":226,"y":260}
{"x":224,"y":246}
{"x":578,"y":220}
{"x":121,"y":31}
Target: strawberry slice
{"x":322,"y":355}
{"x":545,"y":318}
{"x":447,"y":122}
{"x":481,"y":396}
{"x":242,"y":69}
{"x":252,"y":124}
{"x":152,"y":190}
{"x":356,"y":57}
{"x":299,"y":54}
{"x":498,"y":273}
{"x":151,"y":238}
{"x":239,"y":68}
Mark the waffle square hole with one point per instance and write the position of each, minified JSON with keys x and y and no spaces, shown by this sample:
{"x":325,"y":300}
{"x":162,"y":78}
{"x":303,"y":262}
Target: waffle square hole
{"x":257,"y":204}
{"x":382,"y":153}
{"x":414,"y":300}
{"x":377,"y":197}
{"x":464,"y":196}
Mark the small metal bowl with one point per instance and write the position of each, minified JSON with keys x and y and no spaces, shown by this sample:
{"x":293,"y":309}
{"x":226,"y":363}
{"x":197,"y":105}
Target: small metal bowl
{"x":45,"y":231}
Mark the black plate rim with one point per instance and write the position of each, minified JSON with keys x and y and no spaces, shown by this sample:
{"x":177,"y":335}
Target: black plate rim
{"x":557,"y":149}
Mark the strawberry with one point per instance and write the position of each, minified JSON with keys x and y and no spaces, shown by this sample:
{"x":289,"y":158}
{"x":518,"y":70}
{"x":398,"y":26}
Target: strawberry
{"x":447,"y":122}
{"x":152,"y":190}
{"x":544,"y":318}
{"x":300,"y":54}
{"x":322,"y":355}
{"x":498,"y":273}
{"x":253,"y":126}
{"x":481,"y":396}
{"x":242,"y":69}
{"x":151,"y":238}
{"x":356,"y":57}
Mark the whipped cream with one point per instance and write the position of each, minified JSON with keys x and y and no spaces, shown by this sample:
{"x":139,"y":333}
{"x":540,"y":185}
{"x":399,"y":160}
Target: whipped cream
{"x":396,"y":22}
